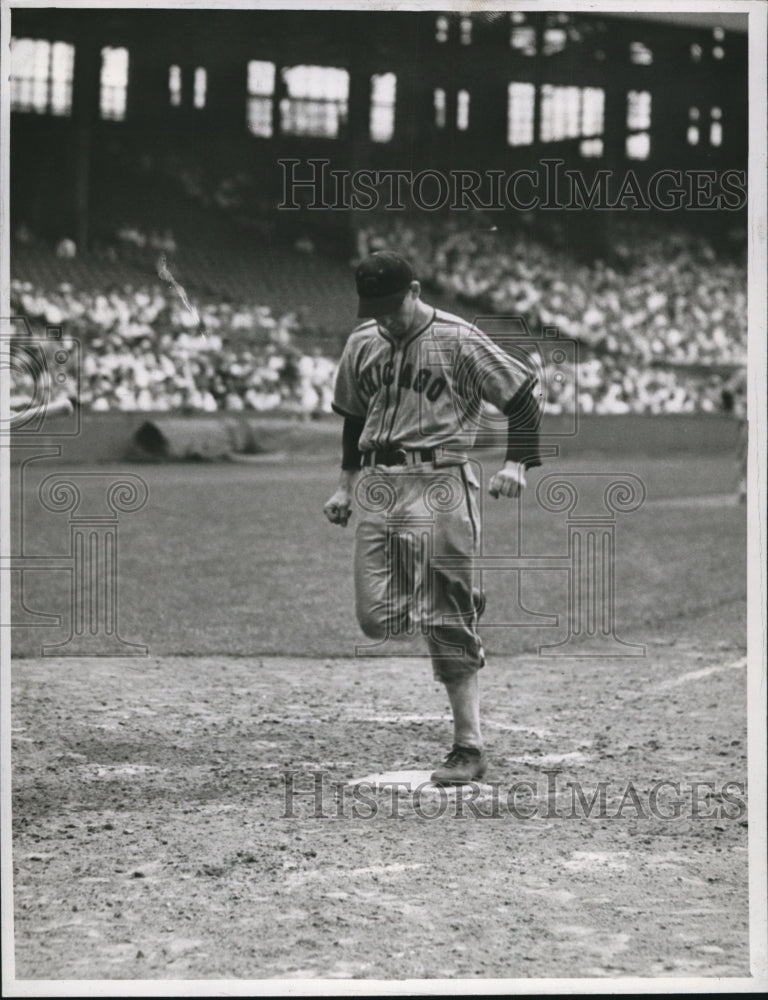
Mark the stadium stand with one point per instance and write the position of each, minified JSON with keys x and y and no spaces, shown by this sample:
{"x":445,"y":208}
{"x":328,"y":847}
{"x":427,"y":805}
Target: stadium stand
{"x":149,"y":161}
{"x":144,"y":352}
{"x":661,"y":328}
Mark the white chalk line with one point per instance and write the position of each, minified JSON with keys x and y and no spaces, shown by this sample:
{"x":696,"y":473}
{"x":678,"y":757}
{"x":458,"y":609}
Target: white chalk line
{"x":405,"y":718}
{"x":319,"y":874}
{"x":696,"y":675}
{"x":700,"y":500}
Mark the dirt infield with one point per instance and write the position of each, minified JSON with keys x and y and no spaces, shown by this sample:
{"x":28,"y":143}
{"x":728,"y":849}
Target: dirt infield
{"x":187,"y":816}
{"x":167,"y":824}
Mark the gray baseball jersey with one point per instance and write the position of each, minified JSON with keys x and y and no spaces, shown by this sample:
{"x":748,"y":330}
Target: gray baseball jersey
{"x":427,"y":390}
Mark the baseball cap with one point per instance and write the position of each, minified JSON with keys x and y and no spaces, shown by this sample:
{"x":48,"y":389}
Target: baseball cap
{"x":382,"y":280}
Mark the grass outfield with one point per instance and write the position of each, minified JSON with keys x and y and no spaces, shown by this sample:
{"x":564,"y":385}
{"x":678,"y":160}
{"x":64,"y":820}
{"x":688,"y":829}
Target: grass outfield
{"x":239,"y":559}
{"x":186,"y":816}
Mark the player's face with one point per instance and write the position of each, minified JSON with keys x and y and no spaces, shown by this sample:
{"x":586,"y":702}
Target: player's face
{"x":397,"y":323}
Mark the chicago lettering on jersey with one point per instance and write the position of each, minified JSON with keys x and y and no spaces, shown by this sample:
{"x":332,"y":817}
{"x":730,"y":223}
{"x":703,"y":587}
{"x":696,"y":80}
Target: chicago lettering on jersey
{"x":423,"y":381}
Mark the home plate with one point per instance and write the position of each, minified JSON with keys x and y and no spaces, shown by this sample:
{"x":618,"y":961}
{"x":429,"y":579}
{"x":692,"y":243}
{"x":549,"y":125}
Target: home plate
{"x":411,"y":781}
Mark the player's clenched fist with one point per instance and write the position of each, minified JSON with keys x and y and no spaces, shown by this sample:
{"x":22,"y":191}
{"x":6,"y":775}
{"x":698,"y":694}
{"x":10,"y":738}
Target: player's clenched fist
{"x":338,"y":509}
{"x":507,"y":482}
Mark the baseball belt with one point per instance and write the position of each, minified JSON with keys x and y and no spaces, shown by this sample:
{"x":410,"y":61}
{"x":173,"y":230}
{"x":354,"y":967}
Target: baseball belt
{"x":398,"y":456}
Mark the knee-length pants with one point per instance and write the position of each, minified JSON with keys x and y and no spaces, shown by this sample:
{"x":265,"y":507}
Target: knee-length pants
{"x":417,"y":534}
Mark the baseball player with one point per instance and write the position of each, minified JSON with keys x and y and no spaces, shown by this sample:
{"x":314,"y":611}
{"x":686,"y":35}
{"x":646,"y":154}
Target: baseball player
{"x":410,"y":387}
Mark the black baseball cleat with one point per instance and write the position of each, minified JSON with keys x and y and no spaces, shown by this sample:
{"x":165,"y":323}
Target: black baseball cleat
{"x":462,"y":765}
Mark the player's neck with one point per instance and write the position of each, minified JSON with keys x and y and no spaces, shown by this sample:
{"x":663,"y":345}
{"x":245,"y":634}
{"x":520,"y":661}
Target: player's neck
{"x":421,"y":314}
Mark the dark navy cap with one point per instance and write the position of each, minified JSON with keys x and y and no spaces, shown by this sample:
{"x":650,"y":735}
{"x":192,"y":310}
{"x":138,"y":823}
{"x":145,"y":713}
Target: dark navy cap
{"x":382,"y":280}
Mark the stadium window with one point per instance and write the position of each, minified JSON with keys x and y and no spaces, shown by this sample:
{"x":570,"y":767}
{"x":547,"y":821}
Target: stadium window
{"x":439,"y":105}
{"x":560,"y":113}
{"x":638,"y":110}
{"x":695,"y":53}
{"x":692,"y":135}
{"x":462,"y":110}
{"x":201,"y":87}
{"x":715,"y":127}
{"x":62,"y":69}
{"x":41,"y":76}
{"x":640,"y":54}
{"x":522,"y":36}
{"x":520,"y":114}
{"x":30,"y":74}
{"x":383,"y":94}
{"x":316,"y":102}
{"x":546,"y":122}
{"x":114,"y":83}
{"x":441,"y":29}
{"x":592,"y":112}
{"x":174,"y":85}
{"x":261,"y":87}
{"x":555,"y":40}
{"x":591,"y":147}
{"x":465,"y":31}
{"x":638,"y":146}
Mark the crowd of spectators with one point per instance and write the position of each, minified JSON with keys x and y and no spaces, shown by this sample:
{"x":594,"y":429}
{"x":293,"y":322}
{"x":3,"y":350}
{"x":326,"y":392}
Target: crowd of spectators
{"x":605,"y":385}
{"x":141,"y":351}
{"x":658,"y":327}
